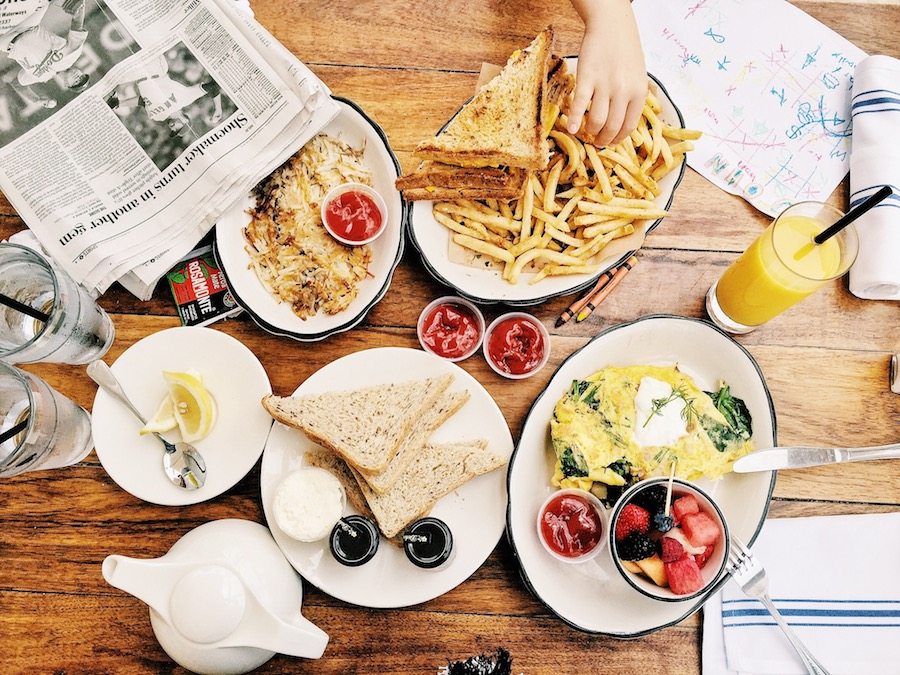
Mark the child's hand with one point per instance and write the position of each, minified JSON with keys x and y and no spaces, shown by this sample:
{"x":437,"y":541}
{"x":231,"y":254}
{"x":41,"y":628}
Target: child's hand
{"x":611,"y":77}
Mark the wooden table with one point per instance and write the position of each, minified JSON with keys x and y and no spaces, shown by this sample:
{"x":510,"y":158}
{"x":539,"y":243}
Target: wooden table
{"x":410,"y":65}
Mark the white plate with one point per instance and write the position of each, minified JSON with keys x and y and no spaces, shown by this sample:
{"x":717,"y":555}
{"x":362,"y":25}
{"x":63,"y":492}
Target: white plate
{"x":354,"y":127}
{"x":487,"y":286}
{"x":612,"y":607}
{"x":237,"y":382}
{"x":474,"y":512}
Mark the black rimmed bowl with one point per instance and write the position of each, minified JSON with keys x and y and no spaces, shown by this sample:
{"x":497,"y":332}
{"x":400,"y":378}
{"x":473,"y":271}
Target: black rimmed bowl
{"x":708,"y":355}
{"x":714,"y":567}
{"x":352,"y":126}
{"x":486,"y":285}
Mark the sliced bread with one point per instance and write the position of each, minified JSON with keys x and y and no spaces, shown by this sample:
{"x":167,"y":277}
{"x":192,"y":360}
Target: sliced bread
{"x":447,"y":405}
{"x":502,"y":124}
{"x":433,"y":473}
{"x":364,"y":426}
{"x":435,"y":174}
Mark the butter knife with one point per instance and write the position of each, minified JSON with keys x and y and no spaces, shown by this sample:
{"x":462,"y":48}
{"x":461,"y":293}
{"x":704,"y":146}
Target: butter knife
{"x":799,"y":458}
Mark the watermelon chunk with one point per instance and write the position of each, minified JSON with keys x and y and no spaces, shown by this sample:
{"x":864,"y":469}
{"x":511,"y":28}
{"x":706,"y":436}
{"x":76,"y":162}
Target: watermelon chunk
{"x":683,"y":506}
{"x":701,"y":529}
{"x":684,"y":576}
{"x":701,"y":558}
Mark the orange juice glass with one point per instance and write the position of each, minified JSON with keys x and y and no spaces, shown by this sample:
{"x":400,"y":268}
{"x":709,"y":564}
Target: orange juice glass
{"x":783,"y":266}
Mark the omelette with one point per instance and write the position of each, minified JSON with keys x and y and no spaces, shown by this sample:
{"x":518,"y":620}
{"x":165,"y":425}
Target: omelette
{"x":624,"y":424}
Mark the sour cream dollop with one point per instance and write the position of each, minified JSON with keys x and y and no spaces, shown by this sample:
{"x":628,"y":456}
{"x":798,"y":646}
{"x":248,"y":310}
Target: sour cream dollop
{"x":667,"y":424}
{"x":308,"y":503}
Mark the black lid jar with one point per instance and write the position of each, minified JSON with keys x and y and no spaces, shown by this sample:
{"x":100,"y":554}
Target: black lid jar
{"x":354,"y":541}
{"x":428,"y":543}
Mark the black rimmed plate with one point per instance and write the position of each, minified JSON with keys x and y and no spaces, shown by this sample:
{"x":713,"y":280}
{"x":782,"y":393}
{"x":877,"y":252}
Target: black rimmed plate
{"x":487,"y":286}
{"x":602,"y":601}
{"x":353,"y":126}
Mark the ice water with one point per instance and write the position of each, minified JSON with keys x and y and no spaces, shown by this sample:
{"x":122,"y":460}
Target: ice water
{"x":58,"y":432}
{"x":77,"y":330}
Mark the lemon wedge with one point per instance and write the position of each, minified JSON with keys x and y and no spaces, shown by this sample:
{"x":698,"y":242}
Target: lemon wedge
{"x":192,"y":405}
{"x":163,"y":419}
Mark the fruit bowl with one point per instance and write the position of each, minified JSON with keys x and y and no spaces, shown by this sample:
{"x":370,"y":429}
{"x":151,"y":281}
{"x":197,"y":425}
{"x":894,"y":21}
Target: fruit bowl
{"x":670,"y":560}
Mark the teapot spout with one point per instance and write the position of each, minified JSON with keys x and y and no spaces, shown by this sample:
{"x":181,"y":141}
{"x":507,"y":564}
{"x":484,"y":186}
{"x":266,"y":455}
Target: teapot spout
{"x":264,"y":630}
{"x":299,"y":637}
{"x":148,"y":580}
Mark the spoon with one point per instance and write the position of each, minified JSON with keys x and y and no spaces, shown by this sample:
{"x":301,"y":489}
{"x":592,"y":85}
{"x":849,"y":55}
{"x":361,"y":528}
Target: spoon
{"x":182,"y":463}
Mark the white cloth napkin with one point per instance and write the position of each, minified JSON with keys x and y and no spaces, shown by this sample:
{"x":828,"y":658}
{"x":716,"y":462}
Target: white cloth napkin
{"x":836,"y":579}
{"x":875,"y":161}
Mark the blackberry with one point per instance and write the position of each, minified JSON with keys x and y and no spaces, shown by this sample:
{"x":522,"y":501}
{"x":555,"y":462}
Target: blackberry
{"x":635,"y":546}
{"x":663,"y":523}
{"x":652,"y":498}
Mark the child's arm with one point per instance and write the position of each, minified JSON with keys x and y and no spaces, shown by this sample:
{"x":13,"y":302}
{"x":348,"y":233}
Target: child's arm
{"x":612,"y":77}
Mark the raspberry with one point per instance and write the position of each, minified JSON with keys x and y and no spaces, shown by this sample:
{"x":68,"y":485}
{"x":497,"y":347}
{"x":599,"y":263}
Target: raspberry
{"x":632,"y":518}
{"x":670,"y":549}
{"x":636,"y":546}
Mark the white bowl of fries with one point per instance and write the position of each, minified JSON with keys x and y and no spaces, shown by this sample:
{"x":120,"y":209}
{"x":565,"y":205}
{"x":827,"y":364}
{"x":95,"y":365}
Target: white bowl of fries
{"x":588,"y":211}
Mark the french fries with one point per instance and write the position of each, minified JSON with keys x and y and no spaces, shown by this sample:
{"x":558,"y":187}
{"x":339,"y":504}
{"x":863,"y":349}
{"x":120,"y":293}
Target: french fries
{"x":586,"y":198}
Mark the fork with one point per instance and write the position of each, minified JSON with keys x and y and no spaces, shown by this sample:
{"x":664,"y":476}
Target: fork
{"x":749,"y":574}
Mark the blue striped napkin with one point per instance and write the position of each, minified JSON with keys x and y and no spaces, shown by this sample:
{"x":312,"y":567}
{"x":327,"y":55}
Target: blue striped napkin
{"x":875,"y":161}
{"x":836,"y":580}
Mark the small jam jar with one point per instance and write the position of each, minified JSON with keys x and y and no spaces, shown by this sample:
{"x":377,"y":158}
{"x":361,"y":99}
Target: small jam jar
{"x":354,"y":541}
{"x":428,"y":543}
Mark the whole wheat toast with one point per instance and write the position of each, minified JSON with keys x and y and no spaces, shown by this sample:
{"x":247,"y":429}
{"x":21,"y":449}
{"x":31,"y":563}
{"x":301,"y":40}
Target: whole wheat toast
{"x":436,"y":471}
{"x":502,"y":124}
{"x":364,"y":426}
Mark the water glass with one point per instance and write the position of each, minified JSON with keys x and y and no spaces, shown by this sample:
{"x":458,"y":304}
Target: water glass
{"x":782,"y":267}
{"x":39,"y":427}
{"x":76,"y":331}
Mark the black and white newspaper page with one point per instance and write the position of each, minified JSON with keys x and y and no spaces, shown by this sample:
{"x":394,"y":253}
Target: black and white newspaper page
{"x":128,"y":126}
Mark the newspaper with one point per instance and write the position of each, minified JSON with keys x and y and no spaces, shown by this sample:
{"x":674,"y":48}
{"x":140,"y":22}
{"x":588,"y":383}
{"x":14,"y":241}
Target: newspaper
{"x":127,"y":127}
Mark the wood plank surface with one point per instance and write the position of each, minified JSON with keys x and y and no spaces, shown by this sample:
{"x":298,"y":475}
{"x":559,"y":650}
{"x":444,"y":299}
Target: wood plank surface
{"x":410,"y":66}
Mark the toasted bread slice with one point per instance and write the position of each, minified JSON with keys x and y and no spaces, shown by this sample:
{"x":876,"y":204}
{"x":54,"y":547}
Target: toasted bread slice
{"x":502,"y":124}
{"x":451,"y":194}
{"x":560,"y":83}
{"x":365,"y":426}
{"x":434,"y":417}
{"x":436,"y":174}
{"x":325,"y":459}
{"x":436,"y":471}
{"x":441,"y":181}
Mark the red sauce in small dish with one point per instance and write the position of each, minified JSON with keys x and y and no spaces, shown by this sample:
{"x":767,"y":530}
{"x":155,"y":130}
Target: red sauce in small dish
{"x":571,"y":526}
{"x":516,"y":346}
{"x":450,"y":330}
{"x":353,"y":216}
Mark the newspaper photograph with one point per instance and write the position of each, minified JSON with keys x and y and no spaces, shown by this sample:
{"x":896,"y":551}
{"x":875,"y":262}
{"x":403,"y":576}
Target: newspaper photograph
{"x":125,"y":131}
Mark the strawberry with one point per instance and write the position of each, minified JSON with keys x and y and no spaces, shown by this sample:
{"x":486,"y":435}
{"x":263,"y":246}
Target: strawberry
{"x":632,"y":518}
{"x":701,"y":558}
{"x":683,"y":506}
{"x":684,"y":576}
{"x":700,"y":529}
{"x":670,"y":549}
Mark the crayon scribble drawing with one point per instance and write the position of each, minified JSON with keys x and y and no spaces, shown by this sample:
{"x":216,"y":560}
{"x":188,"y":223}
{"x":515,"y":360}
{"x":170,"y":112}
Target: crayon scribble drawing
{"x":767,"y":84}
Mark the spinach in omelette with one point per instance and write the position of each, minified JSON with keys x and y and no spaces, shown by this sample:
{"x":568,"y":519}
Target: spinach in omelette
{"x":600,"y":433}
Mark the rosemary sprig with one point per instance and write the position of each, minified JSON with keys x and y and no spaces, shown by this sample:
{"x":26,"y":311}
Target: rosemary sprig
{"x":658,"y":404}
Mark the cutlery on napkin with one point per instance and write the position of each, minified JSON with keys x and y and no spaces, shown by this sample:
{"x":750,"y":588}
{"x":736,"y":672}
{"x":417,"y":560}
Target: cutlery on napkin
{"x":875,"y":161}
{"x":835,"y":580}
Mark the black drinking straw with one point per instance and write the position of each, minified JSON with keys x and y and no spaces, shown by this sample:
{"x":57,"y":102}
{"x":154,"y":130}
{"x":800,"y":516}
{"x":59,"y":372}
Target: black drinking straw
{"x":853,"y":214}
{"x":15,"y":431}
{"x":25,"y":309}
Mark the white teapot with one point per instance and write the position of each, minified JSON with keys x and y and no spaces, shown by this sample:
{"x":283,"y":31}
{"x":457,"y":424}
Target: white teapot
{"x":222,"y":600}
